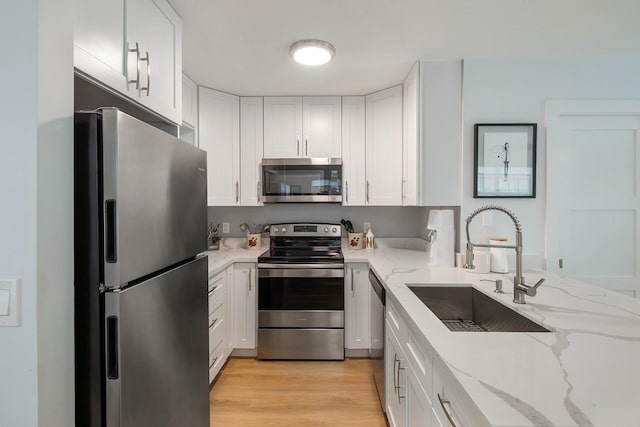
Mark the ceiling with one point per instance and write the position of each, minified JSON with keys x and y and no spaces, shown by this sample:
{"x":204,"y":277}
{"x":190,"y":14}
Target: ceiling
{"x":241,"y":46}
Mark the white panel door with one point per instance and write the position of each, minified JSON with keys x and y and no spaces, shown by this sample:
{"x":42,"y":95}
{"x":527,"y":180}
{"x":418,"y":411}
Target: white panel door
{"x":251,"y":149}
{"x":353,"y":150}
{"x":593,"y":205}
{"x":384,"y":147}
{"x":158,"y":30}
{"x":282,"y":127}
{"x":99,"y":39}
{"x":189,"y":101}
{"x":321,"y":121}
{"x":411,"y":146}
{"x":218,"y":135}
{"x":357,"y":291}
{"x":244,"y":306}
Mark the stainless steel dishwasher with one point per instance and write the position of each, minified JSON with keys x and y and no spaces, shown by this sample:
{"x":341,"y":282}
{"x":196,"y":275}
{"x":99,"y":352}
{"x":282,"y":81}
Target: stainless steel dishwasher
{"x":376,"y":351}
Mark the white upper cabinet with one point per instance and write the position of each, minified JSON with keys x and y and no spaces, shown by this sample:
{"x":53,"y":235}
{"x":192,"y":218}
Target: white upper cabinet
{"x":219,"y":117}
{"x":441,"y":133}
{"x":321,"y":122}
{"x":282,"y":127}
{"x":251,"y":149}
{"x":189,"y":102}
{"x":135,"y":48}
{"x":384,"y":147}
{"x":411,"y":152}
{"x":353,"y":151}
{"x":302,"y":127}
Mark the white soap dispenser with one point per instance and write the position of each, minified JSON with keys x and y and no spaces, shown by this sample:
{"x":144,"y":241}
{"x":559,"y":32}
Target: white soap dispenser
{"x":369,"y":239}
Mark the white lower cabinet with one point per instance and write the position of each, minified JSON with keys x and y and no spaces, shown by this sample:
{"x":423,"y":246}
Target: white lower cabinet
{"x":418,"y":404}
{"x":244,"y":306}
{"x":356,"y":294}
{"x":395,"y":380}
{"x":218,"y":351}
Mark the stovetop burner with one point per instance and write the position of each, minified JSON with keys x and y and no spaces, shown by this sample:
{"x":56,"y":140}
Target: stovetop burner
{"x":304,"y":244}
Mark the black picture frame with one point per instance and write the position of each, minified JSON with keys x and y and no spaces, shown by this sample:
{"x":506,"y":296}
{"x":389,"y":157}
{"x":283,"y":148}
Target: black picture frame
{"x":504,"y":164}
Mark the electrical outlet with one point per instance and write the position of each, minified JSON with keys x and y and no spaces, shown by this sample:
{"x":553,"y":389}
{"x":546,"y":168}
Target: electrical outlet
{"x":225,"y":227}
{"x":367,"y":225}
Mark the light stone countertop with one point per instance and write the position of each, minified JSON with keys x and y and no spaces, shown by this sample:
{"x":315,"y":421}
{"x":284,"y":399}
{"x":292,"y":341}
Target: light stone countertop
{"x":584,"y":373}
{"x":233,"y":250}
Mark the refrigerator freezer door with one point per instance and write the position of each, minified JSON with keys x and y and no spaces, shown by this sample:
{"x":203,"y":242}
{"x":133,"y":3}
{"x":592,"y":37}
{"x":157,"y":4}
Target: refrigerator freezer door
{"x":157,"y":351}
{"x":154,"y":199}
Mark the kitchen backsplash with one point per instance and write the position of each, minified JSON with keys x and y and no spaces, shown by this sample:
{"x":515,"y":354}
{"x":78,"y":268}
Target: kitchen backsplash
{"x":386,"y":221}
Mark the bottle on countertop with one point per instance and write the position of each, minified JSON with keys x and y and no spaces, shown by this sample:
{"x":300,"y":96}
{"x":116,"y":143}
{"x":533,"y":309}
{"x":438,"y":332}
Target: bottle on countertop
{"x":369,"y":239}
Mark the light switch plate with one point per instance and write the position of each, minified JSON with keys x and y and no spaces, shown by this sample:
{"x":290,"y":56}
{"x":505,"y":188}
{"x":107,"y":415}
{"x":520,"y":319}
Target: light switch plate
{"x":366,"y":227}
{"x":13,"y":287}
{"x":225,"y":227}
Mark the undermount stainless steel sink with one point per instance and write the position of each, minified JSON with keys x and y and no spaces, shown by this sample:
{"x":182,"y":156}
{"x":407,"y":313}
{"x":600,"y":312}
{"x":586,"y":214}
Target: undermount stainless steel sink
{"x":465,"y":309}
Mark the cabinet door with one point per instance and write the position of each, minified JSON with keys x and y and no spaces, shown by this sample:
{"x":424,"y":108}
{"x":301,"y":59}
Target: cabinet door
{"x":218,"y":135}
{"x":395,"y":381}
{"x":418,"y":405}
{"x":189,"y":101}
{"x":251,"y":149}
{"x":157,"y":29}
{"x":357,"y":290}
{"x":353,"y":150}
{"x":411,"y":152}
{"x":321,"y":122}
{"x":244,"y":306}
{"x":99,"y":42}
{"x":282,"y":127}
{"x":384,"y":147}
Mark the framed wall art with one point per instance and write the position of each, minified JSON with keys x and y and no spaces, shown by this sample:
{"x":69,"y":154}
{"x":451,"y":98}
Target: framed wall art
{"x":504,"y":160}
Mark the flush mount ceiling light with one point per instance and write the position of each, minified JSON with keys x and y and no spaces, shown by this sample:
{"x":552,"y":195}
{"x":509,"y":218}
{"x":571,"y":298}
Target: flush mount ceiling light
{"x":312,"y":52}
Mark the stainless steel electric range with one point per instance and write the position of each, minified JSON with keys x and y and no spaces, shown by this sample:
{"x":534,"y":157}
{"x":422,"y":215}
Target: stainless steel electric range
{"x":301,"y":293}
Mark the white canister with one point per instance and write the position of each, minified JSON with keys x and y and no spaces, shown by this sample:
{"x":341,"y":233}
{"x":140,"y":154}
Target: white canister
{"x":499,"y":262}
{"x":481,"y":261}
{"x":254,"y":241}
{"x":356,"y":240}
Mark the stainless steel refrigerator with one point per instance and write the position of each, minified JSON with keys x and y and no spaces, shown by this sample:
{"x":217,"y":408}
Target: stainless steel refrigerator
{"x":141,"y":317}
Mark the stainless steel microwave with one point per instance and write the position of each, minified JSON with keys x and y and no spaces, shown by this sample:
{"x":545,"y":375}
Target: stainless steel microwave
{"x":303,"y":180}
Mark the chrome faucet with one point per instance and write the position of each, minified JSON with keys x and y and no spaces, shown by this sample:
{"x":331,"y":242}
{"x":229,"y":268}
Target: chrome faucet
{"x":519,"y":287}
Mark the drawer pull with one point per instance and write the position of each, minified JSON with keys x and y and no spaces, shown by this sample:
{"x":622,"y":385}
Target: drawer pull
{"x":213,"y":323}
{"x":446,"y":407}
{"x":213,"y":363}
{"x":213,"y":290}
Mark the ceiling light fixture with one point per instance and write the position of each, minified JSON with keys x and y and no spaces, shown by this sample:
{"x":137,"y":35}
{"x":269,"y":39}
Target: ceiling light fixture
{"x":312,"y":52}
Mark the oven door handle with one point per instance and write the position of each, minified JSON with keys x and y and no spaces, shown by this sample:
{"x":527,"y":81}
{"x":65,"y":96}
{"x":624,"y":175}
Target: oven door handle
{"x":296,"y":271}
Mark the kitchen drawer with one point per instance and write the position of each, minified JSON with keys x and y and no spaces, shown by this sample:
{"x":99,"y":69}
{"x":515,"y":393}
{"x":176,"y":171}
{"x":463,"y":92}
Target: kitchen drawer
{"x":396,"y":323}
{"x":216,"y":309}
{"x":216,"y":359}
{"x":216,"y":335}
{"x":450,"y":398}
{"x":420,"y":358}
{"x":217,"y":283}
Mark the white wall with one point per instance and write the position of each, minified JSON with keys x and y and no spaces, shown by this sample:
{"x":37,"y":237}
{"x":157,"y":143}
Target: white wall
{"x":36,"y":236}
{"x":509,"y":91}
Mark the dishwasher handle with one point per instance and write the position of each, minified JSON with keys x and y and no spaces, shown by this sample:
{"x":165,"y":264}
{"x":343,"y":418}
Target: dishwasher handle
{"x":376,"y":286}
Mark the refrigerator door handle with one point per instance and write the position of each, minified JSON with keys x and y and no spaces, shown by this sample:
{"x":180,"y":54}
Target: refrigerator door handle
{"x":111,"y":254}
{"x":112,"y":348}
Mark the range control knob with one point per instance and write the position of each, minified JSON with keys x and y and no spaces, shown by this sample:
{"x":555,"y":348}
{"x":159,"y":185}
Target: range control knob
{"x":326,"y":229}
{"x":274,"y":229}
{"x":334,"y":230}
{"x":284,"y":230}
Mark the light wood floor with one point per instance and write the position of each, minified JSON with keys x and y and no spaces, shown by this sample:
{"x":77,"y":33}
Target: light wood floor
{"x":251,"y":393}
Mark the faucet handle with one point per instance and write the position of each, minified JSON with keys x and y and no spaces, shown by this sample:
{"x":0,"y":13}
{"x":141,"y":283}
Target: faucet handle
{"x":532,"y":290}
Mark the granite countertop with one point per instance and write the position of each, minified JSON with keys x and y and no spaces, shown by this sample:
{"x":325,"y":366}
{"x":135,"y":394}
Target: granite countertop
{"x":586,"y":372}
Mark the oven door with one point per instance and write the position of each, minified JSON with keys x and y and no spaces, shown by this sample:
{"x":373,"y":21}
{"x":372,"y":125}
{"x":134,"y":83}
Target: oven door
{"x":302,"y":180}
{"x":301,"y":312}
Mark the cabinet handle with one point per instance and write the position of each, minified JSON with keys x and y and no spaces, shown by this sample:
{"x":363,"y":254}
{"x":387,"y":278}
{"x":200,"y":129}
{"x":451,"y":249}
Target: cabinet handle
{"x":306,"y":145}
{"x":213,"y":323}
{"x":258,"y":191}
{"x":249,"y":279}
{"x":137,"y":80}
{"x":395,"y":382}
{"x":298,"y":141}
{"x":404,"y":184}
{"x":237,"y":191}
{"x":447,"y":403}
{"x":399,"y":395}
{"x":148,"y":61}
{"x":367,"y":191}
{"x":212,"y":290}
{"x":352,"y":280}
{"x":346,"y":191}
